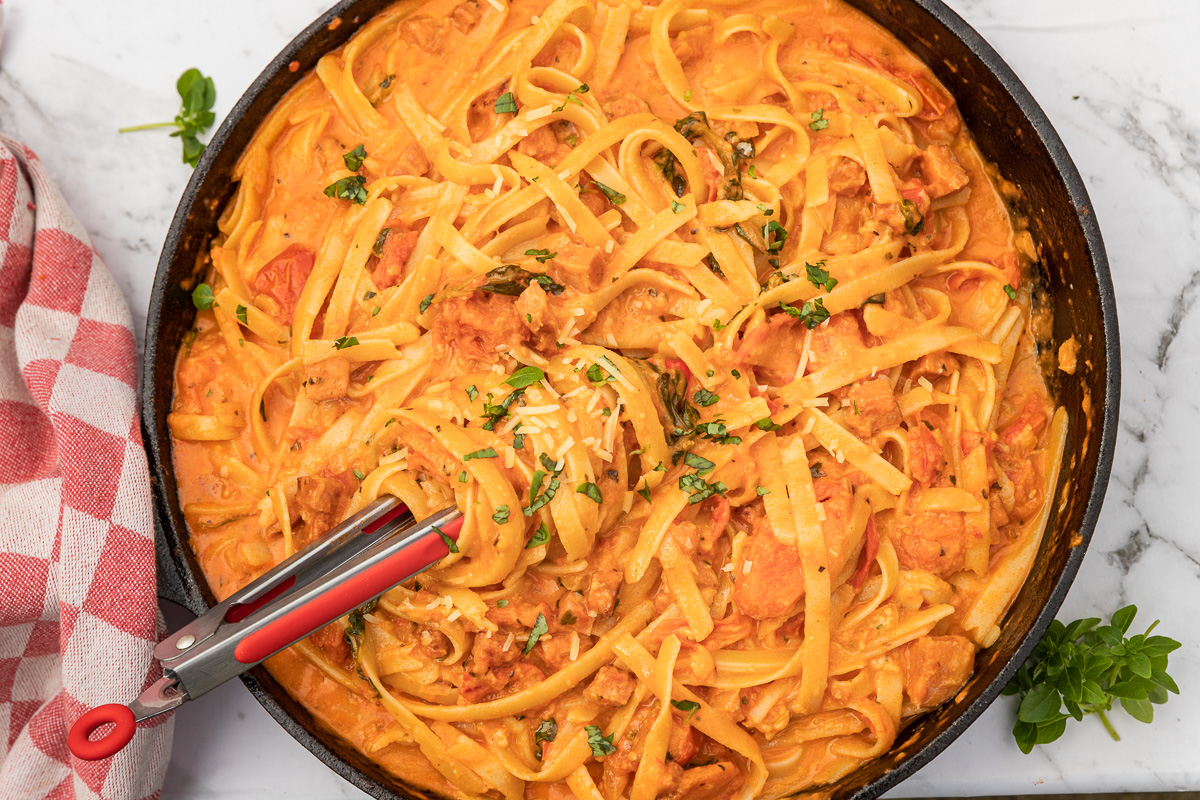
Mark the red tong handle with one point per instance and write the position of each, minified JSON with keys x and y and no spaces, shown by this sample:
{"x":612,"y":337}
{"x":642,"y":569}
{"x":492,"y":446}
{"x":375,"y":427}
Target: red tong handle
{"x":80,"y":741}
{"x":345,"y":597}
{"x":283,"y":632}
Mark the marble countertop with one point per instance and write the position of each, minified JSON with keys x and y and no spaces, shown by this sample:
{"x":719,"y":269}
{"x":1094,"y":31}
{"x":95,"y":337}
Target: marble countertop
{"x":1119,"y":82}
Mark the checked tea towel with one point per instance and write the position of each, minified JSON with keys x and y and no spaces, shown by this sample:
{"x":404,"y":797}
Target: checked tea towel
{"x":78,"y":613}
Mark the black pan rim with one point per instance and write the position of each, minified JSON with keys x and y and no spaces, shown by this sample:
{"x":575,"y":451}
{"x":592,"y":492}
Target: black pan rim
{"x":175,"y":572}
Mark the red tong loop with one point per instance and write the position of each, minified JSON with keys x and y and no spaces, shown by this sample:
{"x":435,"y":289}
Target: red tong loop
{"x":80,"y":741}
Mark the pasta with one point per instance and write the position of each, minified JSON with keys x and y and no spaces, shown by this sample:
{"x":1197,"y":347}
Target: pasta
{"x":713,"y":322}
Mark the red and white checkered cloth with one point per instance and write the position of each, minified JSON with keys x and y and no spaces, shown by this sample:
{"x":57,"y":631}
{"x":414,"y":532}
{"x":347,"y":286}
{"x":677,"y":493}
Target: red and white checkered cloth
{"x":78,"y":609}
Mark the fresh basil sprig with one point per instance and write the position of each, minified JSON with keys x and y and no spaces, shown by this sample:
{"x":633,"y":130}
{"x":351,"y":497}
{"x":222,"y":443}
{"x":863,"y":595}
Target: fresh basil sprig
{"x":197,"y":94}
{"x":1085,"y":668}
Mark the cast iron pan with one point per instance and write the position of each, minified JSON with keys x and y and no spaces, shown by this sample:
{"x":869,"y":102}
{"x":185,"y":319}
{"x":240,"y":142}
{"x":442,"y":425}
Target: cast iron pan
{"x":1011,"y":130}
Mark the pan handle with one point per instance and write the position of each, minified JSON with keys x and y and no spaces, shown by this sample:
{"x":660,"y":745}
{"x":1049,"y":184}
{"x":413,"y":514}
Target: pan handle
{"x":80,"y":741}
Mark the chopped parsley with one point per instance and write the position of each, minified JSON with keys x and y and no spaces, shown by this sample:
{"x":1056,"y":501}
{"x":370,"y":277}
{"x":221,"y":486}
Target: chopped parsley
{"x":819,"y":122}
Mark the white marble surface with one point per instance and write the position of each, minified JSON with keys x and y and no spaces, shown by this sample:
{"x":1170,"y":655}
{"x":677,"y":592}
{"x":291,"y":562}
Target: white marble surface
{"x":1118,"y":79}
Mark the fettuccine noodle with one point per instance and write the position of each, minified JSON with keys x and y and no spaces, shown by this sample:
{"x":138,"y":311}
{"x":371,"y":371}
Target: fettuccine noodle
{"x":712,"y":321}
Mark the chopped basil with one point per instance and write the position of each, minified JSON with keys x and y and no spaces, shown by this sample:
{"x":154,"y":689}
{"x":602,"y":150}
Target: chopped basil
{"x":344,"y":342}
{"x":472,"y":392}
{"x":591,"y":490}
{"x":501,"y":515}
{"x":359,"y":474}
{"x":506,"y":104}
{"x":601,"y":745}
{"x":812,"y":313}
{"x":1010,"y":291}
{"x":539,"y":627}
{"x":701,"y":464}
{"x":614,"y":197}
{"x":678,"y":208}
{"x":761,"y":490}
{"x":487,"y":452}
{"x":539,"y":538}
{"x":571,"y":98}
{"x":546,"y":732}
{"x":704,"y":397}
{"x":446,"y":540}
{"x":819,"y":123}
{"x":525,"y":376}
{"x":542,"y":255}
{"x":425,"y":303}
{"x":241,"y":314}
{"x":352,"y":188}
{"x":354,"y":159}
{"x":690,"y":706}
{"x":765,"y":424}
{"x":820,"y":277}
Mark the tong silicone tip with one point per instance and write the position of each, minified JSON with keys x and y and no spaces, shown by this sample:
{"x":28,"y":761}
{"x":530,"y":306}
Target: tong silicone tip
{"x":83,"y":746}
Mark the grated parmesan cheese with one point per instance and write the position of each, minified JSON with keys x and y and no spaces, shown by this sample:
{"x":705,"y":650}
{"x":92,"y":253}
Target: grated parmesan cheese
{"x":529,"y":411}
{"x":808,"y":426}
{"x":455,"y":614}
{"x":746,"y":565}
{"x":821,"y":511}
{"x":608,"y":246}
{"x":435,"y":122}
{"x":564,"y":447}
{"x":727,"y":568}
{"x":510,"y":457}
{"x":538,"y":113}
{"x":924,"y":383}
{"x":508,"y":642}
{"x":574,"y":645}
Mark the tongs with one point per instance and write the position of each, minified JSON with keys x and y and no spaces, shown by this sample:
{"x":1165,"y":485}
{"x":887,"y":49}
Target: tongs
{"x":380,"y":546}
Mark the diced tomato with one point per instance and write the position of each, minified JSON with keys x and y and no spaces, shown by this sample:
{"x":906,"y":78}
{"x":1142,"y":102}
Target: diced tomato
{"x":284,"y":277}
{"x":867,"y":555}
{"x":397,"y":249}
